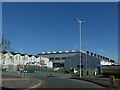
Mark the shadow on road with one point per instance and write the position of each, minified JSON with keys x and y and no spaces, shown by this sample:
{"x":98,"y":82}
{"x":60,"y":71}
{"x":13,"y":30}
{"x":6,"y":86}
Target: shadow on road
{"x":5,"y":88}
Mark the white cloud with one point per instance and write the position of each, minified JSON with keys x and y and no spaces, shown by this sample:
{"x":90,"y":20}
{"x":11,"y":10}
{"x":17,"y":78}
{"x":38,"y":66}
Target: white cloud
{"x":101,"y":50}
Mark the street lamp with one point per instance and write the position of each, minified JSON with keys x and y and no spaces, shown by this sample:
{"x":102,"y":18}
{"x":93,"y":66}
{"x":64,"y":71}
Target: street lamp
{"x":80,"y":28}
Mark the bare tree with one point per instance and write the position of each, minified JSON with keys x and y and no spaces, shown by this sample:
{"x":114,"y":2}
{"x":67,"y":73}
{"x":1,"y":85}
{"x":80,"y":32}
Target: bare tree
{"x":5,"y":44}
{"x":5,"y":47}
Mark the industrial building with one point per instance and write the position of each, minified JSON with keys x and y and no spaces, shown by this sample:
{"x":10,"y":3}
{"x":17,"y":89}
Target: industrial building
{"x":58,"y":57}
{"x":90,"y":63}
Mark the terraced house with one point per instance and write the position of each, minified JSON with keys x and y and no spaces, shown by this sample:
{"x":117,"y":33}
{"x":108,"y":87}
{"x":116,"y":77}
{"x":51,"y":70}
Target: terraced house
{"x":13,"y":61}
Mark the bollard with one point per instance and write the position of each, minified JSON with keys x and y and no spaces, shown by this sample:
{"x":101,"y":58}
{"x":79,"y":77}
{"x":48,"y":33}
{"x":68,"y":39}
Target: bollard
{"x":112,"y":80}
{"x":51,"y":73}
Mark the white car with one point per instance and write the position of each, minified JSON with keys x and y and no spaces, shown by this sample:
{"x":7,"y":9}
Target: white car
{"x":56,"y":69}
{"x":75,"y":71}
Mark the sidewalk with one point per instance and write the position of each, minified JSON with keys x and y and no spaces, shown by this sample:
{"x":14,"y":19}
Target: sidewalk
{"x":20,"y":83}
{"x":100,"y":81}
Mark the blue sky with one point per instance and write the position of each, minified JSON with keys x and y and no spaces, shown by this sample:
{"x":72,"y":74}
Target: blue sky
{"x":39,"y":27}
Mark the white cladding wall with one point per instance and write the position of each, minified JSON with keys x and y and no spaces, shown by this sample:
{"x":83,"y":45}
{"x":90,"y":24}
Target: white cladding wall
{"x":9,"y":59}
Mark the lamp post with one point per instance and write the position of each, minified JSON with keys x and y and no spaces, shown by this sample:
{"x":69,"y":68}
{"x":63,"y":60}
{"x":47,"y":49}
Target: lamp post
{"x":80,"y":31}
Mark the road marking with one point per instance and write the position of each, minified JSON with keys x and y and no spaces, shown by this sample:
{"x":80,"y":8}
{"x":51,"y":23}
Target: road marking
{"x":35,"y":86}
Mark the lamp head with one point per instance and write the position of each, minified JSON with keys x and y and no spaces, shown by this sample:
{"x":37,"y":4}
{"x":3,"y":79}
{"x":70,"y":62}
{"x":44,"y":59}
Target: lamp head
{"x":76,"y":19}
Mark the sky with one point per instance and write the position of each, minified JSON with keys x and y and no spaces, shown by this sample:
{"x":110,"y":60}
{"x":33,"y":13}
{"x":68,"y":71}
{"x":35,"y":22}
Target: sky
{"x":41,"y":27}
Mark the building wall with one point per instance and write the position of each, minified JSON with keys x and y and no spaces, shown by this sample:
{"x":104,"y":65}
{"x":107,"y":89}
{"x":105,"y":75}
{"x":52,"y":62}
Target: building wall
{"x":58,"y":58}
{"x":61,"y":57}
{"x":68,"y":59}
{"x":12,"y":62}
{"x":88,"y":63}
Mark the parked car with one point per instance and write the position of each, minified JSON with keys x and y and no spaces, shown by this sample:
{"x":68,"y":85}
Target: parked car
{"x":56,"y":69}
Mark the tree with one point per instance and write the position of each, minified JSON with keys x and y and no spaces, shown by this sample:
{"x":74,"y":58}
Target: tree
{"x":4,"y":47}
{"x":5,"y":44}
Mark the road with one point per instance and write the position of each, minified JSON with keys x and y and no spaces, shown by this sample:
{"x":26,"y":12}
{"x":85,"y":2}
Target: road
{"x":58,"y":81}
{"x":62,"y":81}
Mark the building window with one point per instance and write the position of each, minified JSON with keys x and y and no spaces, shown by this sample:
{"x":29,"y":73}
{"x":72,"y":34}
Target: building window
{"x":82,"y":66}
{"x":63,"y":58}
{"x":68,"y":57}
{"x":51,"y":58}
{"x":78,"y":66}
{"x":58,"y":58}
{"x":87,"y":72}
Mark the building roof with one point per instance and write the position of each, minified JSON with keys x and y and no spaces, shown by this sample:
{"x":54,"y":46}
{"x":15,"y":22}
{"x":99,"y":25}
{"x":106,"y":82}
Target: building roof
{"x":36,"y":56}
{"x":58,"y":52}
{"x":76,"y":51}
{"x":30,"y":55}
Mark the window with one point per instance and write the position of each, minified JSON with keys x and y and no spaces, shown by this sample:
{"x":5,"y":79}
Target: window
{"x":58,"y":58}
{"x":87,"y":72}
{"x":63,"y":58}
{"x":68,"y":57}
{"x":82,"y":66}
{"x":78,"y":66}
{"x":51,"y":58}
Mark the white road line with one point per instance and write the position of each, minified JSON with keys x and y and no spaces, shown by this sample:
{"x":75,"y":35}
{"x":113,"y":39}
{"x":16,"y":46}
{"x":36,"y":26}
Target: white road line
{"x":35,"y":86}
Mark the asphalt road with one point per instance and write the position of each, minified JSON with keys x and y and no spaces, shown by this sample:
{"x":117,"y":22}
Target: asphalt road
{"x":58,"y":80}
{"x":61,"y":81}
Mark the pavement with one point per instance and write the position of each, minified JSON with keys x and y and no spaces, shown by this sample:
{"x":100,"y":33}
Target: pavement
{"x":19,"y":83}
{"x":105,"y":82}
